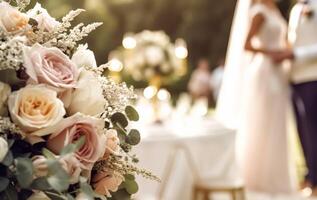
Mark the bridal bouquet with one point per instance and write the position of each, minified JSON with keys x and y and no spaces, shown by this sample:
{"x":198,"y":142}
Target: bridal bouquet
{"x":153,"y":56}
{"x":63,"y":125}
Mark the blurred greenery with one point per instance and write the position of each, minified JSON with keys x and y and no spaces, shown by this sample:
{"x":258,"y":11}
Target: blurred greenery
{"x":204,"y":24}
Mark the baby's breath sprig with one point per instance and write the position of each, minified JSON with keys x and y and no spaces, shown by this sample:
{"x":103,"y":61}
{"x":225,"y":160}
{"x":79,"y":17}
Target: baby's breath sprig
{"x":122,"y":167}
{"x":7,"y":125}
{"x":118,"y":95}
{"x":11,"y":51}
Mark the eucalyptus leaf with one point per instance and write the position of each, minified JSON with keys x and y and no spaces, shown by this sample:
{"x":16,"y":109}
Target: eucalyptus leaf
{"x":48,"y":154}
{"x":131,"y":113}
{"x":87,"y":190}
{"x":70,"y":197}
{"x":55,"y":196}
{"x":129,"y":177}
{"x":131,"y":186}
{"x":10,"y":142}
{"x":58,"y":178}
{"x":8,"y":159}
{"x":41,"y":184}
{"x":4,"y":182}
{"x":24,"y":172}
{"x":134,"y":137}
{"x":71,"y":148}
{"x":121,"y":195}
{"x":119,"y":119}
{"x":122,"y":135}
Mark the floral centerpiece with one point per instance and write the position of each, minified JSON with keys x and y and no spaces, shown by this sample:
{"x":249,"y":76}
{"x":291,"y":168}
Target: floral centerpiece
{"x":63,"y":125}
{"x":152,"y":58}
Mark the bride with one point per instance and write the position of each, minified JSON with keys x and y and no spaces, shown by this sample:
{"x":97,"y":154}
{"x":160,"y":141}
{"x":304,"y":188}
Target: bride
{"x":259,"y":114}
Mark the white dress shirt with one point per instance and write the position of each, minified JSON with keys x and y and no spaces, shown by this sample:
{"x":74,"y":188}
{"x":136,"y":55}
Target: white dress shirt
{"x":303,"y":37}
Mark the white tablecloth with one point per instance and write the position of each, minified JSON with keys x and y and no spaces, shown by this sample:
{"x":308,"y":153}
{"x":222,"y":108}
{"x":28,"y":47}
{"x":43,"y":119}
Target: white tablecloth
{"x":210,"y":145}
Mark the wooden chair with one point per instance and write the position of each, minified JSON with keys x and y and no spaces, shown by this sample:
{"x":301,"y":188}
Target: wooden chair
{"x":234,"y":187}
{"x":206,"y":188}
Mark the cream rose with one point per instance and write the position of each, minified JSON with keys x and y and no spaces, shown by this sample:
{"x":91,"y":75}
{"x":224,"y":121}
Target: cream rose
{"x":88,"y":97}
{"x":12,"y":20}
{"x":105,"y":182}
{"x":84,"y":57}
{"x":35,"y":107}
{"x":50,"y":66}
{"x":4,"y":148}
{"x":44,"y":20}
{"x":5,"y":91}
{"x":69,"y":163}
{"x":112,"y":143}
{"x":72,"y":129}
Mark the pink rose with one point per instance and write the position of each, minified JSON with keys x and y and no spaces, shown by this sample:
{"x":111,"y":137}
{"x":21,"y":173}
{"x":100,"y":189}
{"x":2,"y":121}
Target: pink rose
{"x":105,"y":182}
{"x":44,"y":20}
{"x":50,"y":66}
{"x":73,"y":128}
{"x":69,"y":163}
{"x":112,"y":143}
{"x":11,"y":19}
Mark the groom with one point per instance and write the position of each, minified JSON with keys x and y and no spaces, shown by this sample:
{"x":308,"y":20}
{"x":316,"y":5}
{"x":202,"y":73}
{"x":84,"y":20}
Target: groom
{"x":303,"y":36}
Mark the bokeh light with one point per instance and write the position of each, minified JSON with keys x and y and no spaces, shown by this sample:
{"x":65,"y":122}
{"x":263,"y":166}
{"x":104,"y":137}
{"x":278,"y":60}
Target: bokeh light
{"x":129,"y":41}
{"x":115,"y":65}
{"x":149,"y":92}
{"x":181,"y":51}
{"x":163,"y":95}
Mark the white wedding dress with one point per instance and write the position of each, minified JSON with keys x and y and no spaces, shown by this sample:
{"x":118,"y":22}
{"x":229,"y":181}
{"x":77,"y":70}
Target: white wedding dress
{"x":262,"y":139}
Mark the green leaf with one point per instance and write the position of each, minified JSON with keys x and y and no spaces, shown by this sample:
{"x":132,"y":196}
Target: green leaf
{"x":119,"y":119}
{"x":134,"y":137}
{"x":122,"y":135}
{"x":41,"y":184}
{"x":9,"y":194}
{"x":131,"y":186}
{"x":71,"y":148}
{"x":10,"y":142}
{"x":58,"y":178}
{"x":70,"y":197}
{"x":121,"y":195}
{"x":88,"y":191}
{"x":129,"y":177}
{"x":8,"y":159}
{"x":131,"y":113}
{"x":4,"y":182}
{"x":55,"y":196}
{"x":48,"y":154}
{"x":24,"y":172}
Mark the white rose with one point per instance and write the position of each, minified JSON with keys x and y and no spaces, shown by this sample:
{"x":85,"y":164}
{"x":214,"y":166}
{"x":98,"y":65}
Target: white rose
{"x":5,"y":91}
{"x":88,"y":96}
{"x":35,"y":107}
{"x":37,"y":195}
{"x":4,"y":148}
{"x":11,"y":19}
{"x":84,"y":57}
{"x":44,"y":20}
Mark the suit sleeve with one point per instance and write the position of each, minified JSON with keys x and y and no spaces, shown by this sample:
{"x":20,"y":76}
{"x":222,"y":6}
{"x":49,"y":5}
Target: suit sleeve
{"x":294,"y":19}
{"x":306,"y":53}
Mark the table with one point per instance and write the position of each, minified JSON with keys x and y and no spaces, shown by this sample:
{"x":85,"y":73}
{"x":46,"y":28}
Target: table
{"x":171,"y":150}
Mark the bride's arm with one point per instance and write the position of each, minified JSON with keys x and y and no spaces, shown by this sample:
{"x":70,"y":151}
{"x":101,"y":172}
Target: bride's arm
{"x":256,"y":24}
